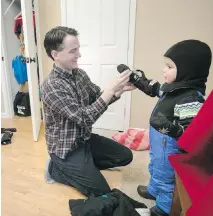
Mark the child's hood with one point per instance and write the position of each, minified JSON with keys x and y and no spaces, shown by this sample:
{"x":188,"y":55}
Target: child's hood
{"x":193,"y":60}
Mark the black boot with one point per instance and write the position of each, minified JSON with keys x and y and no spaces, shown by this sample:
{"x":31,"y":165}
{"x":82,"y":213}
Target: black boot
{"x":142,"y":191}
{"x":155,"y":211}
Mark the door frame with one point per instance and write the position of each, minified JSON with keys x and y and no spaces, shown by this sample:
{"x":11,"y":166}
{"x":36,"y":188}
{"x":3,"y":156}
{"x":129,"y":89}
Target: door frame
{"x":5,"y":78}
{"x":130,"y":55}
{"x":38,"y":37}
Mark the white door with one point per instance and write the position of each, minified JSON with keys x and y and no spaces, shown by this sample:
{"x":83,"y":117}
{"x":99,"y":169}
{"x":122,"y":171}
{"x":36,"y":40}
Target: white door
{"x":4,"y":104}
{"x":6,"y":111}
{"x":30,"y":52}
{"x":6,"y":94}
{"x":103,"y":26}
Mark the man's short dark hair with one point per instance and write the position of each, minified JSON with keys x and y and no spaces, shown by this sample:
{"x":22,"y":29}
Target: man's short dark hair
{"x":54,"y":38}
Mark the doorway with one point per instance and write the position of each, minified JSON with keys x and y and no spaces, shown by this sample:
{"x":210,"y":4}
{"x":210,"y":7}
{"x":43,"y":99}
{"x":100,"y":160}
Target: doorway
{"x":19,"y":39}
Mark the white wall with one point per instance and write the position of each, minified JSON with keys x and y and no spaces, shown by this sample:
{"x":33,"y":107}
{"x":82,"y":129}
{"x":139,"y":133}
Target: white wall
{"x":2,"y":102}
{"x":47,"y":20}
{"x":12,"y":42}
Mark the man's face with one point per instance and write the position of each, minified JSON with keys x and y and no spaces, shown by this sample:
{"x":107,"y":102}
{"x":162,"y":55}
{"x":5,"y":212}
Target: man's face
{"x":169,"y":71}
{"x":67,"y":58}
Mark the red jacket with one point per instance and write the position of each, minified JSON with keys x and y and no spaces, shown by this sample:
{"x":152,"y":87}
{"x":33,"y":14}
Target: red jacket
{"x":195,"y":168}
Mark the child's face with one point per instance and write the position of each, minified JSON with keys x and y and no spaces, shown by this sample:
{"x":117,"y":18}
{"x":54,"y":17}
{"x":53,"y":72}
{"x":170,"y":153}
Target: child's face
{"x":169,"y":71}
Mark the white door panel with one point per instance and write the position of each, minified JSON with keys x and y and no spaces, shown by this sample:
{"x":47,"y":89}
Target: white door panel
{"x":103,"y":26}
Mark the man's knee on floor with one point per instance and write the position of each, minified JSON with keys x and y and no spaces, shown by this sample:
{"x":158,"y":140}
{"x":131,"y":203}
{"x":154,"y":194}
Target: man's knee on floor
{"x":100,"y":190}
{"x":123,"y":158}
{"x":127,"y":156}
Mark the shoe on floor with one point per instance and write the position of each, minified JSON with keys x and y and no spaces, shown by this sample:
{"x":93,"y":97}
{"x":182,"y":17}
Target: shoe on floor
{"x":142,"y":191}
{"x":155,"y":211}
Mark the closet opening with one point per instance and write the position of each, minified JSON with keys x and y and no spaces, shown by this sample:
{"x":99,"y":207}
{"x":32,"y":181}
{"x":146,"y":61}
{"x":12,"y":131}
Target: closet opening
{"x":20,"y":63}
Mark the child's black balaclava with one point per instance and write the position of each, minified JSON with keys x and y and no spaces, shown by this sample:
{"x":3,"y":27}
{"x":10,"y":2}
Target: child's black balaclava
{"x":192,"y":59}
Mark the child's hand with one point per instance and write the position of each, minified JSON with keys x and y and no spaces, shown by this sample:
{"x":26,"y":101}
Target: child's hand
{"x":149,"y":87}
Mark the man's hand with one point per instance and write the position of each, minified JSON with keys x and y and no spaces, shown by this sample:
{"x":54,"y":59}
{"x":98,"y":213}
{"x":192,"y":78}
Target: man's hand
{"x":117,"y":85}
{"x":120,"y":82}
{"x":128,"y":87}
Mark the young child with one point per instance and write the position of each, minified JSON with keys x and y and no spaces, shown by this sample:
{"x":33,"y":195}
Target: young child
{"x":186,"y":70}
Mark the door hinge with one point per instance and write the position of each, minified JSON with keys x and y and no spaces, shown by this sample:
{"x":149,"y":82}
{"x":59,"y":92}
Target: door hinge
{"x":2,"y":58}
{"x":29,"y":60}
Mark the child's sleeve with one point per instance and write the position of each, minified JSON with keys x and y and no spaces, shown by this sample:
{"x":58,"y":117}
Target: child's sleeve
{"x":186,"y":109}
{"x":148,"y":86}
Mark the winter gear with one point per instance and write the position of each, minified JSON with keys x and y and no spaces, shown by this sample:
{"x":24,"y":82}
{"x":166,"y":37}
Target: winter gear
{"x":114,"y":203}
{"x":155,"y":211}
{"x":192,"y":59}
{"x":134,"y":138}
{"x":6,"y":138}
{"x":142,"y":191}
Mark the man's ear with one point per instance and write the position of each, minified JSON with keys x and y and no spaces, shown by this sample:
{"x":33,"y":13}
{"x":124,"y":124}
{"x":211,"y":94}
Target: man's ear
{"x":54,"y":54}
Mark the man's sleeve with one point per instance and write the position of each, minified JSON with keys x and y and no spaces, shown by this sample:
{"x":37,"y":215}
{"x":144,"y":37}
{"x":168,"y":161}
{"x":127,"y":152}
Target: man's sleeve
{"x":61,"y":101}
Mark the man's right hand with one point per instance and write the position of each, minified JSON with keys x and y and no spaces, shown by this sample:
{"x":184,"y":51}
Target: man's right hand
{"x":120,"y":82}
{"x":117,"y":85}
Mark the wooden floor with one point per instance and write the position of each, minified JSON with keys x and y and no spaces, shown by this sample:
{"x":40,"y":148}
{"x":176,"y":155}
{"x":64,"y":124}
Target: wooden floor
{"x":24,"y":191}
